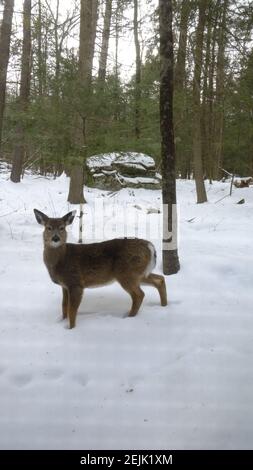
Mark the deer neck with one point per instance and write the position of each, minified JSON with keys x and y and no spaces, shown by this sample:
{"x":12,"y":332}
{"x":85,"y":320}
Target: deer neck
{"x":52,"y":256}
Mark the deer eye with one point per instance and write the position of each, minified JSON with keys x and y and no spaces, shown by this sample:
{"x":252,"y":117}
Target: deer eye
{"x":49,"y":228}
{"x":62,"y":228}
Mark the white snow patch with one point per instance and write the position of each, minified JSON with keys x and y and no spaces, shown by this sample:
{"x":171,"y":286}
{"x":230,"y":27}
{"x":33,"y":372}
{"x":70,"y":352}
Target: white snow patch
{"x":189,"y":365}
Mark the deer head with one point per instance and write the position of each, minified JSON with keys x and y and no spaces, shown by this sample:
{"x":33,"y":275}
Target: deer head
{"x":55,"y":233}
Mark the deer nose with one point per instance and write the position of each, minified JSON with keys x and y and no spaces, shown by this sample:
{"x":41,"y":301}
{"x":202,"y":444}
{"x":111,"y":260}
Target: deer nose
{"x":56,"y":238}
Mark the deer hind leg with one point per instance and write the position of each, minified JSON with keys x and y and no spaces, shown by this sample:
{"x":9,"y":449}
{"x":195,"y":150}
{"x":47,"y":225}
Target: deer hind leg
{"x":65,"y":299}
{"x":74,"y":299}
{"x":159,"y":282}
{"x":136,"y":294}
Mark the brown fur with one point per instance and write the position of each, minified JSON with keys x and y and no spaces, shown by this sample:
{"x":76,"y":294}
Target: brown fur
{"x":76,"y":267}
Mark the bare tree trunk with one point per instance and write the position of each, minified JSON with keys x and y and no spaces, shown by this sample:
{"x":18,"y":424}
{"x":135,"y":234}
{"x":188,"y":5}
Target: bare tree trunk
{"x":118,"y":17}
{"x":40,"y":63}
{"x":88,"y":14}
{"x":180,"y":94}
{"x":57,"y":50}
{"x":5,"y":39}
{"x":137,"y":71}
{"x":105,"y":42}
{"x":219,"y":102}
{"x":197,"y":144}
{"x":186,"y":8}
{"x":95,"y":10}
{"x":19,"y":149}
{"x":210,"y":93}
{"x":87,"y":40}
{"x":170,"y":253}
{"x":205,"y":104}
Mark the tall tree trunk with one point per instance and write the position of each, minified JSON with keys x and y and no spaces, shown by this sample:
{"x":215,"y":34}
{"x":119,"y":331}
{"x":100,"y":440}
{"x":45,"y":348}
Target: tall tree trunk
{"x":137,"y":70}
{"x":19,"y":149}
{"x":88,"y":14}
{"x":210,"y":118}
{"x":95,"y":10}
{"x":116,"y":90}
{"x":197,"y":144}
{"x":57,"y":51}
{"x":180,"y":73}
{"x":219,"y":102}
{"x":205,"y":104}
{"x":105,"y":42}
{"x":5,"y":39}
{"x":40,"y":62}
{"x":170,"y":253}
{"x":180,"y":92}
{"x":87,"y":40}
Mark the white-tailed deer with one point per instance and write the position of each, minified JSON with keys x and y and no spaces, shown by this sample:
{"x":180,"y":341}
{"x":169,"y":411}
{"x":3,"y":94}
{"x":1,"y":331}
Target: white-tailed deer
{"x":74,"y":267}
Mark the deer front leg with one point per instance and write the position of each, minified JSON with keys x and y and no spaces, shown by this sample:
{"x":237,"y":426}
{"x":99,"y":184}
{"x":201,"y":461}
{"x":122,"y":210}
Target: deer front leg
{"x":65,"y":297}
{"x":74,"y":299}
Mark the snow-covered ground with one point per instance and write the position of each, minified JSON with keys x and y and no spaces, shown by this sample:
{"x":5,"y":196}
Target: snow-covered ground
{"x":179,"y":377}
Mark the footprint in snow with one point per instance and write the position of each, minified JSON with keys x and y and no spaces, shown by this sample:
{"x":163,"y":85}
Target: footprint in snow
{"x":81,"y":379}
{"x":21,"y":379}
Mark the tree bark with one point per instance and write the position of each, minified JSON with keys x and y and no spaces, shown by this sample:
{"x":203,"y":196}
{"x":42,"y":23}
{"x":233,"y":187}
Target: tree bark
{"x":95,"y":11}
{"x":40,"y":62}
{"x":105,"y":42}
{"x":5,"y":39}
{"x":220,"y":88}
{"x":170,"y":252}
{"x":181,"y":55}
{"x":19,"y":149}
{"x":205,"y":104}
{"x":197,"y":144}
{"x":88,"y":17}
{"x":137,"y":71}
{"x":180,"y":92}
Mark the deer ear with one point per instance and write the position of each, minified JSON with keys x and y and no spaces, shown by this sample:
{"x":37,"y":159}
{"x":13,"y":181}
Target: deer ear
{"x":40,"y":217}
{"x":68,"y":218}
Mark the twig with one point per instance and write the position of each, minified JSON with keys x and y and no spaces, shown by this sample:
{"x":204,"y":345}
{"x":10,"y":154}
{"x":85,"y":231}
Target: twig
{"x":221,"y":198}
{"x":9,"y":213}
{"x":227,"y":172}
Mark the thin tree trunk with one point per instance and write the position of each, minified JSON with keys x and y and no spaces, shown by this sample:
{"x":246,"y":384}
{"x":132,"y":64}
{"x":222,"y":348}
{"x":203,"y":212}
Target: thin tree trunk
{"x":19,"y":149}
{"x":170,"y":253}
{"x":105,"y":42}
{"x":197,"y":144}
{"x":180,"y":73}
{"x":57,"y":50}
{"x":137,"y":70}
{"x":205,"y":105}
{"x":40,"y":62}
{"x":210,"y":93}
{"x":5,"y":39}
{"x":116,"y":67}
{"x":180,"y":94}
{"x":95,"y":10}
{"x":219,"y":104}
{"x":88,"y":16}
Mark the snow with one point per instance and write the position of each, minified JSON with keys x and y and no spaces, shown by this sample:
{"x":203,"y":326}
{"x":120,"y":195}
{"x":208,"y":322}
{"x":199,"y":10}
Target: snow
{"x":134,"y":159}
{"x":100,"y":161}
{"x":176,"y":377}
{"x":138,"y":180}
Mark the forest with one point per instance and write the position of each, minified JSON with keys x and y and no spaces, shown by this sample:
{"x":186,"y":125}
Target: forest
{"x":68,"y":89}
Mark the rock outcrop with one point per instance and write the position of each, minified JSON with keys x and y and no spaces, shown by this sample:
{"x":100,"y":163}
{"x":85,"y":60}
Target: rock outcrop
{"x":117,"y":170}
